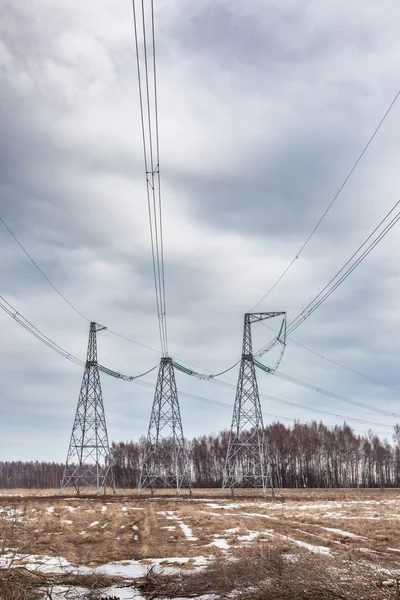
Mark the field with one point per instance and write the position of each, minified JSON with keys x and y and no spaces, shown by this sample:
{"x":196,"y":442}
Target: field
{"x":122,"y":535}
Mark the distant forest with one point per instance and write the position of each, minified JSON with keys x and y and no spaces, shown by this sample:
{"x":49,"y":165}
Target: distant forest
{"x":304,"y":455}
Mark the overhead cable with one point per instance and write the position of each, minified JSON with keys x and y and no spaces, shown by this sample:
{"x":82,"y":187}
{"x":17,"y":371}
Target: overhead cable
{"x":20,"y":319}
{"x":11,"y":311}
{"x":336,"y":363}
{"x":325,"y":392}
{"x":55,"y":288}
{"x":148,"y":102}
{"x":272,"y":398}
{"x":280,"y":338}
{"x":303,"y":407}
{"x":351,"y":264}
{"x":330,"y":204}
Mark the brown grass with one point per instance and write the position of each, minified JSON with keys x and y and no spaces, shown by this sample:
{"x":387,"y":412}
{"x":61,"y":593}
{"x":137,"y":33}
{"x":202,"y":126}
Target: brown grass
{"x":259,"y":573}
{"x":152,"y":528}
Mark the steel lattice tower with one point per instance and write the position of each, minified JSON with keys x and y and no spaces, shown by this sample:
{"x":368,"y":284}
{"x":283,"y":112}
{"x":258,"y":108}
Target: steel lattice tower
{"x":245,"y":459}
{"x":165,"y":462}
{"x":88,"y":460}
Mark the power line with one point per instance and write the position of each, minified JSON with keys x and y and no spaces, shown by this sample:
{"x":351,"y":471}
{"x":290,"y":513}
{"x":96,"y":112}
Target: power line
{"x":55,"y":288}
{"x":148,"y":102}
{"x":152,"y":184}
{"x":295,"y":381}
{"x":321,"y":297}
{"x":129,"y":339}
{"x":333,"y":395}
{"x":334,"y":362}
{"x":341,"y":276}
{"x":331,"y":203}
{"x":11,"y":311}
{"x":303,"y":407}
{"x":230,"y":406}
{"x":21,"y":320}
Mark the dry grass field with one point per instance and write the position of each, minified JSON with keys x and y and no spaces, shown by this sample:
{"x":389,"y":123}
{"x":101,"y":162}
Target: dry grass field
{"x":117,"y":535}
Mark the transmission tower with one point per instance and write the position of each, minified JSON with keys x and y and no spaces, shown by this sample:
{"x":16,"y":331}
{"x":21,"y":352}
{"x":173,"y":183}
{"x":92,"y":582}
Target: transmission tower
{"x":245,"y":458}
{"x":165,"y":462}
{"x":88,"y":460}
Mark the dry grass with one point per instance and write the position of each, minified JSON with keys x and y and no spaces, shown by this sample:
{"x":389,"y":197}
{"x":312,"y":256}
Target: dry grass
{"x":361,"y":525}
{"x":259,"y":573}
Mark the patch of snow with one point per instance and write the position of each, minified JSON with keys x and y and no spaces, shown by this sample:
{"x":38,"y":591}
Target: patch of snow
{"x":67,"y":522}
{"x":252,"y":535}
{"x":233,"y":530}
{"x":70,"y":508}
{"x":122,"y":593}
{"x":103,"y":509}
{"x":310,"y":547}
{"x":188,"y":532}
{"x":105,"y":525}
{"x":170,"y":527}
{"x":50,"y":509}
{"x":135,"y":527}
{"x":344,"y":533}
{"x":61,"y":592}
{"x":94,"y":523}
{"x":220,"y":543}
{"x":171,"y":516}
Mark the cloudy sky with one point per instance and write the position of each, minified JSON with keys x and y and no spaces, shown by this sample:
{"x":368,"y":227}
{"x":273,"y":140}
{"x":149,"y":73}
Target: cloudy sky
{"x":264,"y":107}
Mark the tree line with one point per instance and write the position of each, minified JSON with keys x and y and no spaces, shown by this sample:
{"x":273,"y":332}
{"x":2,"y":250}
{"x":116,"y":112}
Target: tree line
{"x":302,"y":455}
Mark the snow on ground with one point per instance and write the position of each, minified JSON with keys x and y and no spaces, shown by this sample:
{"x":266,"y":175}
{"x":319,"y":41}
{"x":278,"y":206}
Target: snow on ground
{"x":128,"y":569}
{"x":232,"y":530}
{"x":310,"y":547}
{"x":188,"y":532}
{"x":94,"y":523}
{"x":172,"y":516}
{"x":343,"y":533}
{"x":252,"y":535}
{"x":61,"y":592}
{"x":220,"y":543}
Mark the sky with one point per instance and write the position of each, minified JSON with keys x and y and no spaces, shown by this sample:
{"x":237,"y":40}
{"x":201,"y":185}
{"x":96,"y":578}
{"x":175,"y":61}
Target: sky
{"x":264,"y":106}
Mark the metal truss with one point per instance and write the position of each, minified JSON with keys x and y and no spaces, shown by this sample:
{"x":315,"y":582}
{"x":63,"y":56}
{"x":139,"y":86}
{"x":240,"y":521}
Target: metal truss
{"x":246,"y":455}
{"x":88,"y":460}
{"x":165,"y":462}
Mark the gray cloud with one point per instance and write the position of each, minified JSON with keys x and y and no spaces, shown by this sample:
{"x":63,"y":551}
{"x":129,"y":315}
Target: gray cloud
{"x":263,"y":109}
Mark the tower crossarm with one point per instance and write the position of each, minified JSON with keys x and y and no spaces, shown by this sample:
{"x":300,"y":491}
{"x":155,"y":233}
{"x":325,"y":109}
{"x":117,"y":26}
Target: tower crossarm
{"x":255,"y":317}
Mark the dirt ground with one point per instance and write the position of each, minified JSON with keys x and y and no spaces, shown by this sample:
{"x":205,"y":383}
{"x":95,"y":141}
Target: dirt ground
{"x":92,"y":531}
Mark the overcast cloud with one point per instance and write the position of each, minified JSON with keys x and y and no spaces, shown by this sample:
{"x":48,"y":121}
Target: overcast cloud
{"x":264,"y":107}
